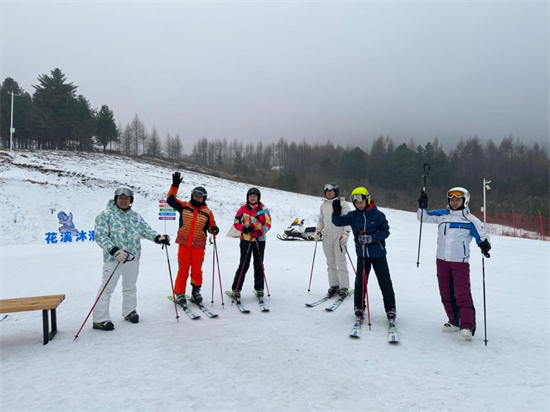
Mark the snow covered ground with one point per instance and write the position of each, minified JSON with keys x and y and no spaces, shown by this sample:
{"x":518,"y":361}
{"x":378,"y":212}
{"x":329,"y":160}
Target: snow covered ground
{"x":293,"y":358}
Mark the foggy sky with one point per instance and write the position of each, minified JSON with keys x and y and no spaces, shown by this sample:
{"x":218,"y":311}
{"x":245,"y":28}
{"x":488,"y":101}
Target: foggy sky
{"x":344,"y":71}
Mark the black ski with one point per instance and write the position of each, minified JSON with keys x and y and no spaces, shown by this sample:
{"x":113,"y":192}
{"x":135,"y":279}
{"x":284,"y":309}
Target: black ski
{"x":237,"y":302}
{"x":202,"y":307}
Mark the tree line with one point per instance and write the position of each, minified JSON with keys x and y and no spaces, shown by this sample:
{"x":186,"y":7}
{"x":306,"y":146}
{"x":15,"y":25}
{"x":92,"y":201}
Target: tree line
{"x":56,"y":117}
{"x":520,"y":174}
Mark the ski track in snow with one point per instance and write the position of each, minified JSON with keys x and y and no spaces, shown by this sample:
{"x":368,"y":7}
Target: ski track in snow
{"x":293,"y":358}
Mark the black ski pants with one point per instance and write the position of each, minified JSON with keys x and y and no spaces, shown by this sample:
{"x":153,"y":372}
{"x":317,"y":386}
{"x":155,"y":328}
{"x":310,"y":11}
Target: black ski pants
{"x":382,"y":272}
{"x":249,"y":249}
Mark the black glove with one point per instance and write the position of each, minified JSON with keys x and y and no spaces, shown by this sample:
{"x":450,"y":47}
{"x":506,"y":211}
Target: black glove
{"x":214,"y":230}
{"x":423,"y":200}
{"x":336,"y":207}
{"x":176,"y":179}
{"x":248,"y":229}
{"x":162,"y":240}
{"x":485,"y":247}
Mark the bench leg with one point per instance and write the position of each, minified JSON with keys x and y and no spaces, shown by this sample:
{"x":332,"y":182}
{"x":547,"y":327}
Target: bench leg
{"x":54,"y":324}
{"x":45,"y":326}
{"x":48,"y":336}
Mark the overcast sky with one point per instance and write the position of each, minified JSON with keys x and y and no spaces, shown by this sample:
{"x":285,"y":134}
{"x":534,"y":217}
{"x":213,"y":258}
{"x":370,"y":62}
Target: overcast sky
{"x":344,"y":71}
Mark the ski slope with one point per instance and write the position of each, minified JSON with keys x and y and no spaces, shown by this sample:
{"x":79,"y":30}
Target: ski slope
{"x":292,"y":358}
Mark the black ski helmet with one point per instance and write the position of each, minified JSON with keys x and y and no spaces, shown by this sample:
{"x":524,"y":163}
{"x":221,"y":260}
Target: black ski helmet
{"x":254,"y":191}
{"x":199,"y":191}
{"x":332,"y":186}
{"x":124,"y":191}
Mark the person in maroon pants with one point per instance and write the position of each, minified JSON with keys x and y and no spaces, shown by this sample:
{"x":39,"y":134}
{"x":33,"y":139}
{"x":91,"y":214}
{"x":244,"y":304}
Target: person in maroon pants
{"x":457,"y":227}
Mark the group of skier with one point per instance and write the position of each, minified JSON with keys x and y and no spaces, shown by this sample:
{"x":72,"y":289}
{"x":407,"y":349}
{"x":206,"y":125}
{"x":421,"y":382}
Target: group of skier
{"x":119,"y":230}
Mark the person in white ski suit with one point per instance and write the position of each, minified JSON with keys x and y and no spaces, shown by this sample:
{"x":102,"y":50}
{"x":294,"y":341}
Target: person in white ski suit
{"x":118,"y":231}
{"x":335,"y":241}
{"x":457,"y":228}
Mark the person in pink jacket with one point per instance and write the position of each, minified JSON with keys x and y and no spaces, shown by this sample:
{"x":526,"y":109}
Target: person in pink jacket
{"x":253,"y":221}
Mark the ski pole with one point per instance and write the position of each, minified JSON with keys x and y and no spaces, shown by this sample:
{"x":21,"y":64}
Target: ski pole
{"x":219,"y":274}
{"x":424,"y":177}
{"x":213,"y":268}
{"x":242,"y":270}
{"x":172,"y":283}
{"x":350,"y":261}
{"x":484,"y":301}
{"x":97,"y":300}
{"x":365,"y":290}
{"x":263,"y":270}
{"x":312,"y":264}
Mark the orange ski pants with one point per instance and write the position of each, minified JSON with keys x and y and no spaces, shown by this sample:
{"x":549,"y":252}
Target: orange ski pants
{"x":189,"y":257}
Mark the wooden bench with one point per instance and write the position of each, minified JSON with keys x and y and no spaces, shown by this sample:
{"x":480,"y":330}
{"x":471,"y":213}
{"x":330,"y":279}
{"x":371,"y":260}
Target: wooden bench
{"x":43,"y":303}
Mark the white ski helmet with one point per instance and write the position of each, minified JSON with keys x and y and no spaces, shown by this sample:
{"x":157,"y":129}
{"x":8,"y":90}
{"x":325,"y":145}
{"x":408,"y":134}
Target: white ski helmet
{"x":459,"y":192}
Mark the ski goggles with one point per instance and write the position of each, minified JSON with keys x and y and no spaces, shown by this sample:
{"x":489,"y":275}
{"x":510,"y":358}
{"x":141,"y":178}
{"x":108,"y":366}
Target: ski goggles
{"x":197,"y":192}
{"x":124,"y":191}
{"x":455,"y":193}
{"x":330,"y":186}
{"x":359,"y":197}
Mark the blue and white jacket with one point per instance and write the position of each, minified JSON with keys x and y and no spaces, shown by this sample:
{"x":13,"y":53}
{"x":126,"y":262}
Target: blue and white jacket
{"x":456,"y":230}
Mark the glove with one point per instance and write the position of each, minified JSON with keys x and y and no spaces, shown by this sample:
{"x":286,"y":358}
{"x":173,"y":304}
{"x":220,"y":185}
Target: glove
{"x":337,"y":207}
{"x":162,"y":240}
{"x":255,"y":234}
{"x":248,"y":229}
{"x":364,"y":239}
{"x":214,"y":230}
{"x":176,"y":179}
{"x":343,"y":240}
{"x":423,"y":200}
{"x":121,"y":255}
{"x":317,"y":236}
{"x":485,"y":247}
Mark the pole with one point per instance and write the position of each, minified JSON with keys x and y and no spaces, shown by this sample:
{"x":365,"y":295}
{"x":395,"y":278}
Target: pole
{"x":485,"y":188}
{"x":365,"y":290}
{"x":97,"y":300}
{"x":350,"y":261}
{"x":484,"y":300}
{"x":312,"y":263}
{"x":541,"y":226}
{"x":263,"y":270}
{"x":241,"y":275}
{"x":11,"y":121}
{"x":172,"y":283}
{"x":219,"y":274}
{"x":426,"y":168}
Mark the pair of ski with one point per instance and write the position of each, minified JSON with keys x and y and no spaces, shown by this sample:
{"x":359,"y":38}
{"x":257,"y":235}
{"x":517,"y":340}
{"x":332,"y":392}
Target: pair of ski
{"x":242,"y":308}
{"x":393,"y":336}
{"x":334,"y":306}
{"x":192,"y":315}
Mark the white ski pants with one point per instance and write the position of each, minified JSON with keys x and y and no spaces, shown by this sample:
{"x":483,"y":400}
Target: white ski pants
{"x":129,"y":272}
{"x":336,"y":262}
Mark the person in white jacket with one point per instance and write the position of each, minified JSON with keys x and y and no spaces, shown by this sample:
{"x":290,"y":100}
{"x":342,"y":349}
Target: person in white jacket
{"x":457,"y":227}
{"x":335,"y":240}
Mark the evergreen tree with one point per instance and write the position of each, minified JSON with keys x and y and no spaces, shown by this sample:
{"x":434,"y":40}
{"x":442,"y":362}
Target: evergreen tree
{"x":22,"y":103}
{"x":53,"y":112}
{"x":107,"y":131}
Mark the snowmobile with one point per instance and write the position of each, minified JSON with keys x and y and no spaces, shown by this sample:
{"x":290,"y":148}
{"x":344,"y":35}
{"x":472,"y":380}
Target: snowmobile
{"x":297,"y":231}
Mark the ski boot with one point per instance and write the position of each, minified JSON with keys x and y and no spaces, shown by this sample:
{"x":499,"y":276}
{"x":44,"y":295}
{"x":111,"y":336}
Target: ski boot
{"x":391,"y":315}
{"x":343,"y":293}
{"x":180,"y":299}
{"x":332,"y":291}
{"x":450,"y":328}
{"x":107,"y":325}
{"x":132,"y":317}
{"x":196,"y":294}
{"x":260,"y":294}
{"x":467,"y":334}
{"x":236,"y":296}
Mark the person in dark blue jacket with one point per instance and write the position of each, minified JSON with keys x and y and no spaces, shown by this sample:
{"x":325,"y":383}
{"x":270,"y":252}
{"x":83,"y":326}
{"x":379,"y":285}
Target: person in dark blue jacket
{"x":370,"y":229}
